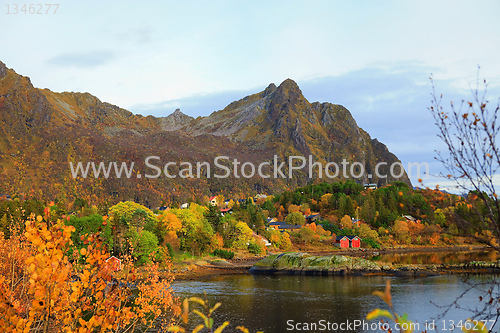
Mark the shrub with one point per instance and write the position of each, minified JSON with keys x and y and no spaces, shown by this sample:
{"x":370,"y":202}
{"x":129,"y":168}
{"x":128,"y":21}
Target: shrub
{"x":225,"y":254}
{"x":254,"y":248}
{"x":171,"y":252}
{"x":371,"y":243}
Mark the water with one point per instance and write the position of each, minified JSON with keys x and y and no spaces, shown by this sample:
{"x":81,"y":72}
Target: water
{"x":280,"y":303}
{"x":436,"y":257}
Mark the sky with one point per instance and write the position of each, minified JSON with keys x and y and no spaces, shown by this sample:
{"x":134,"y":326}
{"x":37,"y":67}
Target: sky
{"x":373,"y":57}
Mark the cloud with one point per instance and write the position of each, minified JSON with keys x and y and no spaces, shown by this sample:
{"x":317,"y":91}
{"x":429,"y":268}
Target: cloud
{"x":83,"y":59}
{"x":390,"y":102}
{"x":143,"y":35}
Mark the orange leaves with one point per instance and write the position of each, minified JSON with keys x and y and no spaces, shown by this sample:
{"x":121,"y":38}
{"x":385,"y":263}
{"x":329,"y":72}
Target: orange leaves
{"x":57,"y":293}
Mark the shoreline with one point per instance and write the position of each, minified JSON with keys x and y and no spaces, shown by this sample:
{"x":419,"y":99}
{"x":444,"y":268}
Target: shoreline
{"x":242,"y":265}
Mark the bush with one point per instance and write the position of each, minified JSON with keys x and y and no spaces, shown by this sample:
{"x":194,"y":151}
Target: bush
{"x":254,"y":248}
{"x":170,"y":249}
{"x":225,"y":254}
{"x":371,"y":243}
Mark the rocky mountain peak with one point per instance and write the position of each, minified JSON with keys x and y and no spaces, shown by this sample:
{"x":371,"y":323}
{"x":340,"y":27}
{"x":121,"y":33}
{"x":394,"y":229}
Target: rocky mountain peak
{"x":290,"y":87}
{"x":3,"y":70}
{"x":287,"y":99}
{"x":269,"y":90}
{"x":174,"y":121}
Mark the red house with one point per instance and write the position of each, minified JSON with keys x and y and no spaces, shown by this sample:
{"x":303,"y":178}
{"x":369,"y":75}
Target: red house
{"x":114,"y":263}
{"x":354,"y":241}
{"x":342,"y":241}
{"x":348,"y":241}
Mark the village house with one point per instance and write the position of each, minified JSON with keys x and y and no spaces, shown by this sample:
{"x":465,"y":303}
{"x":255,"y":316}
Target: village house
{"x":263,"y":239}
{"x":410,"y":218}
{"x":114,"y":263}
{"x":283,"y":226}
{"x":4,"y":197}
{"x":213,"y":200}
{"x":312,"y":218}
{"x":371,"y":186}
{"x":348,"y":241}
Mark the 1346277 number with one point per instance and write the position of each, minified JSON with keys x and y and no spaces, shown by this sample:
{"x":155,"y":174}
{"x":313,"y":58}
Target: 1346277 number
{"x":35,"y":9}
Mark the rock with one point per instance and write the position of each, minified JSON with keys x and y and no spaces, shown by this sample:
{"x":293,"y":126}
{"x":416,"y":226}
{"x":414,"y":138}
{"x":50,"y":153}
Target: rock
{"x":303,"y":263}
{"x":221,"y":263}
{"x":3,"y":70}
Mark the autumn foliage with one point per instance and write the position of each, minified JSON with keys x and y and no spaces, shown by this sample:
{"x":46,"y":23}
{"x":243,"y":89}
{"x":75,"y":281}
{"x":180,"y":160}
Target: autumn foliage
{"x":42,"y":289}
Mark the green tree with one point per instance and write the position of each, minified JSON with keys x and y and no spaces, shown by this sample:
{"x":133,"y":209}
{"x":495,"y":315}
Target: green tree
{"x":214,"y":217}
{"x":89,"y":225}
{"x":144,"y":245}
{"x":295,"y":218}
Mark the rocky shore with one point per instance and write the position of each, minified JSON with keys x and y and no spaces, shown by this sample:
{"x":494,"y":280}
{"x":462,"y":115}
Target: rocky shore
{"x":330,"y":265}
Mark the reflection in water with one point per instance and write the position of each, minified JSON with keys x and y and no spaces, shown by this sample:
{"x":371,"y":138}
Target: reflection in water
{"x":436,"y":257}
{"x":268,"y":302}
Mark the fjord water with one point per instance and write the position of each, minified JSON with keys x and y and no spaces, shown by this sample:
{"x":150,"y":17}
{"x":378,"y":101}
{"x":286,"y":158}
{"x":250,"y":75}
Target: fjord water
{"x":288,"y":303}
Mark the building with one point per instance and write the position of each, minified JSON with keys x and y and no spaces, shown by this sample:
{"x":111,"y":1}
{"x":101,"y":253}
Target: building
{"x":5,"y":197}
{"x":410,"y":218}
{"x":282,"y":226}
{"x":312,"y":218}
{"x":225,"y":211}
{"x":371,"y":186}
{"x":114,"y":263}
{"x":213,"y":200}
{"x":348,"y":241}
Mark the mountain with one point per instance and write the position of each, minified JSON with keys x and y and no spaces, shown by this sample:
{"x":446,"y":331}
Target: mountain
{"x":42,"y":132}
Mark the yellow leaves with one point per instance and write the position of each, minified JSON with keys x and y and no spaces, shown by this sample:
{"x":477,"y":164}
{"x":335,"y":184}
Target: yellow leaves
{"x":39,"y":218}
{"x":386,"y":295}
{"x":185,"y":312}
{"x":221,"y":327}
{"x":379,"y":313}
{"x":197,"y":300}
{"x":198,"y":328}
{"x":83,"y":251}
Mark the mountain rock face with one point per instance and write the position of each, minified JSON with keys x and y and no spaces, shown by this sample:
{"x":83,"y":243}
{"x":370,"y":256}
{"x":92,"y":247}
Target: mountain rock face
{"x":43,"y":133}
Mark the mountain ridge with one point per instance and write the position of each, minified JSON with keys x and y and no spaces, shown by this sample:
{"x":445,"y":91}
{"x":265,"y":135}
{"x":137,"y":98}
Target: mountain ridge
{"x":42,"y":131}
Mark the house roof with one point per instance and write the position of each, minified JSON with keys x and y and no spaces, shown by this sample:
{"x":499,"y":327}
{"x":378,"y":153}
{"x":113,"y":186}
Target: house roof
{"x":312,"y":216}
{"x":224,"y":210}
{"x":350,"y":237}
{"x":289,"y":226}
{"x":284,"y":225}
{"x":409,"y":217}
{"x":212,"y":198}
